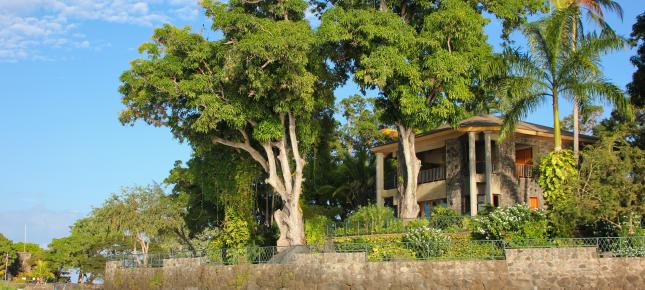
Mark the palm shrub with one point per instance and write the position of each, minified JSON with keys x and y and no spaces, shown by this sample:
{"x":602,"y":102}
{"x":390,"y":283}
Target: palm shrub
{"x":370,"y":219}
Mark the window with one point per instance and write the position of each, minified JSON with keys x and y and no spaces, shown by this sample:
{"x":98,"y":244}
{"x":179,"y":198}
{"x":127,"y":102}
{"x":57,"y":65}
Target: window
{"x":495,"y":200}
{"x":427,"y":206}
{"x":534,"y":202}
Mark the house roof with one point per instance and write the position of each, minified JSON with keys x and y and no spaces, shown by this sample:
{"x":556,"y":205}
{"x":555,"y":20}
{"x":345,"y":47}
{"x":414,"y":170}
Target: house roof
{"x":490,"y":123}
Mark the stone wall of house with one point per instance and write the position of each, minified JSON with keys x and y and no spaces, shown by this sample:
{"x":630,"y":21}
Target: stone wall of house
{"x":454,"y":175}
{"x":549,"y":268}
{"x":510,"y":193}
{"x":528,"y":187}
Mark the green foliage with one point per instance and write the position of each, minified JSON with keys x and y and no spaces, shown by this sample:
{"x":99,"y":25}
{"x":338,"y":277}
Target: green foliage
{"x":607,"y":196}
{"x":513,"y":223}
{"x":636,"y":88}
{"x":41,"y":271}
{"x":372,"y":214}
{"x":84,"y":250}
{"x":423,"y":70}
{"x":553,"y":69}
{"x":555,"y":169}
{"x":446,"y":218}
{"x":361,"y":128}
{"x":231,"y":243}
{"x":5,"y":285}
{"x":6,"y":248}
{"x":390,"y":252}
{"x":316,"y":229}
{"x":144,"y":215}
{"x":427,"y":242}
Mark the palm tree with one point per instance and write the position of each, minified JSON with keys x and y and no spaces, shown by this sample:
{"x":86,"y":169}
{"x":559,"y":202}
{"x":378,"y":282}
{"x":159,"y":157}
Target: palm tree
{"x":552,"y":69}
{"x":595,"y":11}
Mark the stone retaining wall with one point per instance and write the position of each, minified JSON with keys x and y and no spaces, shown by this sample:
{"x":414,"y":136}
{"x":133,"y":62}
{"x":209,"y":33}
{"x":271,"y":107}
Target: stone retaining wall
{"x":559,"y":268}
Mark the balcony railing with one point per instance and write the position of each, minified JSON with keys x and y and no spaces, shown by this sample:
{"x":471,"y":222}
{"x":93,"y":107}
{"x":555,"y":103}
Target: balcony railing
{"x":432,"y":174}
{"x":425,"y":176}
{"x":524,"y":170}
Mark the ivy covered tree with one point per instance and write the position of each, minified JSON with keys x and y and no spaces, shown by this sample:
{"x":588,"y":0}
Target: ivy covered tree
{"x":257,"y":90}
{"x":426,"y":59}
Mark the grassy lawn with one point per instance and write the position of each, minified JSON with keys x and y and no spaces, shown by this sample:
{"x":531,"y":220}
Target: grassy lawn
{"x":4,"y":285}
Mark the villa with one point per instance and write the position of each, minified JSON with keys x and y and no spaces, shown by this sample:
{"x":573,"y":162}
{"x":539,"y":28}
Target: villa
{"x":457,"y":162}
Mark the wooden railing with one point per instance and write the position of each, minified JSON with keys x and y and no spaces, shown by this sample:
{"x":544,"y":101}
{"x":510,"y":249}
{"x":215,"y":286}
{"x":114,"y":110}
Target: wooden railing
{"x":425,"y":176}
{"x":432,"y":174}
{"x":524,"y":170}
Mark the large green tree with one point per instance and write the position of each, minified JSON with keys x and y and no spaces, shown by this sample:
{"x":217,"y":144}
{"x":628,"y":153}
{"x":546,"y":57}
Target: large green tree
{"x":426,"y":60}
{"x":552,"y":69}
{"x":257,"y":89}
{"x":636,"y":88}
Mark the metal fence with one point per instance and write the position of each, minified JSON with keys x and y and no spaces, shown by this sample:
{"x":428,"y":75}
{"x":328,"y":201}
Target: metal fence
{"x":403,"y":251}
{"x":388,"y":226}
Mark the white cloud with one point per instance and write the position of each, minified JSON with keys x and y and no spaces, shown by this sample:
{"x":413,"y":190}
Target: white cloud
{"x":29,"y":25}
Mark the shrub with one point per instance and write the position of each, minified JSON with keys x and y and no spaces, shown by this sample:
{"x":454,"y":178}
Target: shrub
{"x":555,"y":170}
{"x":427,"y":242}
{"x":373,"y":215}
{"x":390,"y":252}
{"x":316,"y":229}
{"x":230,"y":244}
{"x":370,"y":219}
{"x":517,"y":222}
{"x":446,"y":218}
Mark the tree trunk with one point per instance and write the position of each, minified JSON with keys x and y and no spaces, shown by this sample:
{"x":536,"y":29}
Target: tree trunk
{"x":79,"y":280}
{"x":557,"y":139}
{"x":408,"y":172}
{"x":283,"y":179}
{"x":291,"y":225}
{"x":576,"y":114}
{"x":576,"y":128}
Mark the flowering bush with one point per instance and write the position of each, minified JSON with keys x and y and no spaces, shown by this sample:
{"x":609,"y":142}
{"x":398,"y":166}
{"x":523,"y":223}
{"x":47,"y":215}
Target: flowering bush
{"x":512,"y":223}
{"x":427,"y":242}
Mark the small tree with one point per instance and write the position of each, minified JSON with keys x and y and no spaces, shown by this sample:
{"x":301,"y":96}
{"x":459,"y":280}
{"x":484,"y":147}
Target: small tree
{"x":141,"y":214}
{"x":41,"y":272}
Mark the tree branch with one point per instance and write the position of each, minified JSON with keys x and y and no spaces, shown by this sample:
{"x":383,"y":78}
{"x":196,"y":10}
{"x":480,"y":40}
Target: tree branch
{"x":246,"y":146}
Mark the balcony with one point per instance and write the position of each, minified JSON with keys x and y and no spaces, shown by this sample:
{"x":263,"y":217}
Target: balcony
{"x":425,"y":176}
{"x":524,"y":170}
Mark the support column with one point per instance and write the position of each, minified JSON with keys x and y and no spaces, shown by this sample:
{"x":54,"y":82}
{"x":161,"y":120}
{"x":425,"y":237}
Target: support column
{"x":380,"y":187}
{"x":472,"y":173}
{"x":489,"y":168}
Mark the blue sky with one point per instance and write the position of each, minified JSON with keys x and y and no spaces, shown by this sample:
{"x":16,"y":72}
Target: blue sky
{"x":62,"y":148}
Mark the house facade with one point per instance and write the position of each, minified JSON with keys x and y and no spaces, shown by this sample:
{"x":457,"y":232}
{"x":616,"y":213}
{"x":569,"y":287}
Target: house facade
{"x":468,"y":167}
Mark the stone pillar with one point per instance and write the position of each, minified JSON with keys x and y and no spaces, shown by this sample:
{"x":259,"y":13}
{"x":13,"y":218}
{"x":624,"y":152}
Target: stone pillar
{"x":472,"y":182}
{"x":380,"y":183}
{"x":23,"y":261}
{"x":489,"y":168}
